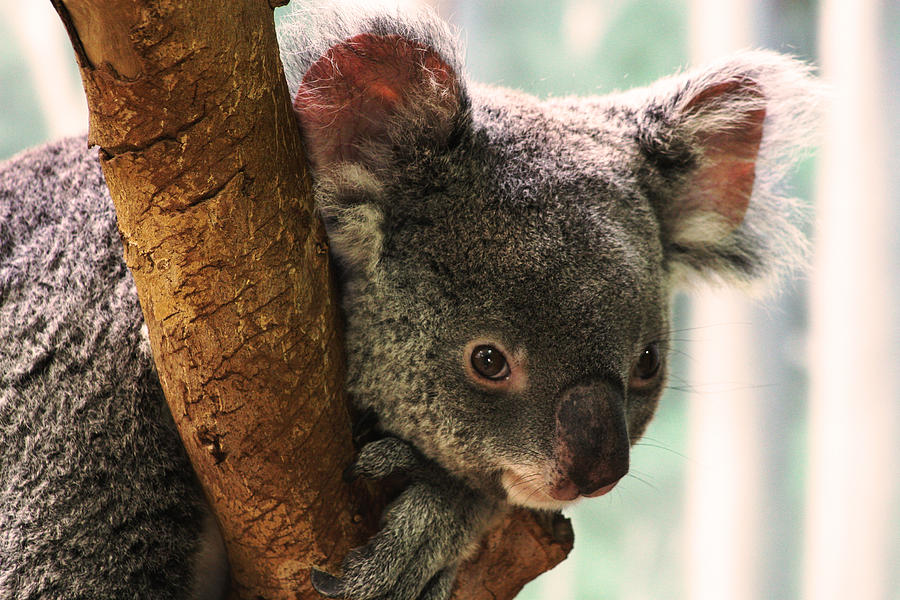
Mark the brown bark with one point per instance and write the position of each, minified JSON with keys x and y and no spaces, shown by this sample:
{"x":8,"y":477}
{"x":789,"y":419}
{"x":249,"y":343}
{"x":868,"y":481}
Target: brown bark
{"x":517,"y":550}
{"x":200,"y":151}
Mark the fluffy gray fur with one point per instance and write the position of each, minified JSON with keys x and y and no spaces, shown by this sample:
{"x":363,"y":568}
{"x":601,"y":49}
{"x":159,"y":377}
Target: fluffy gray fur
{"x":555,"y":230}
{"x":97,"y":497}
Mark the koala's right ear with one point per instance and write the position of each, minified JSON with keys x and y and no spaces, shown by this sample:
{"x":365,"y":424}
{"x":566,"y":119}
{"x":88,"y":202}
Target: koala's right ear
{"x":362,"y":100}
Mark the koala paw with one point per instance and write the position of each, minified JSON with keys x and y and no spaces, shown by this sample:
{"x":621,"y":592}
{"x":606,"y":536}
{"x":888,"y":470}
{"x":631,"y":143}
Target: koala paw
{"x":424,"y":535}
{"x":384,"y":457}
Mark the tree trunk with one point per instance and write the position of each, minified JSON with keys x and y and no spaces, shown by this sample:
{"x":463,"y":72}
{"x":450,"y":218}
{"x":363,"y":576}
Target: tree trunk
{"x":203,"y":160}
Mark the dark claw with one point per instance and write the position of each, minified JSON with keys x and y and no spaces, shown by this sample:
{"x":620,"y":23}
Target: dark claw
{"x":324,"y":583}
{"x":364,"y":428}
{"x":350,"y":475}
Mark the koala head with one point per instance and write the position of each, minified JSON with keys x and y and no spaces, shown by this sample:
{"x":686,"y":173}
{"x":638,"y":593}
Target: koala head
{"x":507,"y":262}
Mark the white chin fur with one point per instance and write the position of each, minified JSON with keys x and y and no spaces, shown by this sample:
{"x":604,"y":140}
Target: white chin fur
{"x":527,"y":489}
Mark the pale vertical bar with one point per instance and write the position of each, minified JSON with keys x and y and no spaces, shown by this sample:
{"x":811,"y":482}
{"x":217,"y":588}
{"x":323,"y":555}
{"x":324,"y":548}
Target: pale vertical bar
{"x":724,"y":481}
{"x":853,"y":394}
{"x":559,"y":582}
{"x":42,"y":39}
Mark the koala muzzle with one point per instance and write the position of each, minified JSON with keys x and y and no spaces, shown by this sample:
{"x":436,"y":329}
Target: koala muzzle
{"x":591,"y":440}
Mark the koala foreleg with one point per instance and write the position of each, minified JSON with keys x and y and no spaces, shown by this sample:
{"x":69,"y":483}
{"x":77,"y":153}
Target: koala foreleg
{"x":426,"y":531}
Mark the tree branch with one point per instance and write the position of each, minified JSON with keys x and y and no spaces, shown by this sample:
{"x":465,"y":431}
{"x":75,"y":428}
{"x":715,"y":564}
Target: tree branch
{"x":203,"y":160}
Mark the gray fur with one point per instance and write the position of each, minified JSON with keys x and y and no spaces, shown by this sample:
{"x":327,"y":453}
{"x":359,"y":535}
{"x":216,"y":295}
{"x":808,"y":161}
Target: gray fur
{"x":555,"y":229}
{"x":97,"y":498}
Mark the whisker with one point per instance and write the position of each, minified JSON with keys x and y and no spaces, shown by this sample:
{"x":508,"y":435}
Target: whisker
{"x":683,"y":353}
{"x":668,"y":333}
{"x":522,"y":480}
{"x":531,"y":495}
{"x":644,"y":481}
{"x":663,"y":447}
{"x":679,"y":388}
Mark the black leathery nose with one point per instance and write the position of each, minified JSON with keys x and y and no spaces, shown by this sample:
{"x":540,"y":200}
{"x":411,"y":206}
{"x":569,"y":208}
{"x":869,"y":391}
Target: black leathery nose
{"x":592,"y":447}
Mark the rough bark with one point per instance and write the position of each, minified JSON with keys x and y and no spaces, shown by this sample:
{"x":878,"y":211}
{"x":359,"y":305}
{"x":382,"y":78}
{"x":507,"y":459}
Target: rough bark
{"x":190,"y":110}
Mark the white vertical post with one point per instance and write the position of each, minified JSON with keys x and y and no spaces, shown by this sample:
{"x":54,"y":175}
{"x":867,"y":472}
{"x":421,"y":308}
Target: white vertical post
{"x":49,"y":57}
{"x":853,"y":401}
{"x":724,"y":483}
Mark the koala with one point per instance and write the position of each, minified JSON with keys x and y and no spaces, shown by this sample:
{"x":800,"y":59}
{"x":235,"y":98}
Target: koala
{"x":506,"y":266}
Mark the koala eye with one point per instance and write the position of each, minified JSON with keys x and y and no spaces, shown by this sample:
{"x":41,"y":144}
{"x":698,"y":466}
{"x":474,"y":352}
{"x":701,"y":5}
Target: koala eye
{"x":490,"y":363}
{"x":647,"y":365}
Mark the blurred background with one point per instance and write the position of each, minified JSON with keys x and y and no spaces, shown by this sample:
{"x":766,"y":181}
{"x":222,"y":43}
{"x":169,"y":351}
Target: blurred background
{"x":772,"y":468}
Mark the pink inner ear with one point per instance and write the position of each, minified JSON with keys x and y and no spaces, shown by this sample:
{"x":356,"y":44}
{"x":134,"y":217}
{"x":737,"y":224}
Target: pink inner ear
{"x":349,"y":94}
{"x":724,"y":182}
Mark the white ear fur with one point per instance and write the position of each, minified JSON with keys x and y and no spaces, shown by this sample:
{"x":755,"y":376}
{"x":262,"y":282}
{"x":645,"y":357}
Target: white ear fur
{"x":701,"y":229}
{"x":721,"y":240}
{"x":346,"y":197}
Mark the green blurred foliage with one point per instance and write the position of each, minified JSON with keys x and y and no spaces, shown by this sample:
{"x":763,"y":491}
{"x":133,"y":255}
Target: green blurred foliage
{"x":526,"y":44}
{"x":21,"y":124}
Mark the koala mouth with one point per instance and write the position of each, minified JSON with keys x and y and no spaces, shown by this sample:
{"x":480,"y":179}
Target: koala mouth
{"x":529,"y":487}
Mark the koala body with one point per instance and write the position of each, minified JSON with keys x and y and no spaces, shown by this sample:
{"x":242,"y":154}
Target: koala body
{"x":97,"y":496}
{"x":506,"y":265}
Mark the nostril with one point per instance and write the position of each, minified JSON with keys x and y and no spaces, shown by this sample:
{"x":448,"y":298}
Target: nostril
{"x":601,"y":482}
{"x":564,"y":489}
{"x":594,"y":483}
{"x":571,"y":486}
{"x":600,"y":491}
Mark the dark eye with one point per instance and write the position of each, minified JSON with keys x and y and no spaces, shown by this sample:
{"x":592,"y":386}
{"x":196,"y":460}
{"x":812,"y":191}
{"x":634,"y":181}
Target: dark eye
{"x":490,"y":363}
{"x":647,"y":365}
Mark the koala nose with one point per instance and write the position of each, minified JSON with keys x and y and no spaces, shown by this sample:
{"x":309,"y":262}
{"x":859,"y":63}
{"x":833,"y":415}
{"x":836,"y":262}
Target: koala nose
{"x":592,"y":444}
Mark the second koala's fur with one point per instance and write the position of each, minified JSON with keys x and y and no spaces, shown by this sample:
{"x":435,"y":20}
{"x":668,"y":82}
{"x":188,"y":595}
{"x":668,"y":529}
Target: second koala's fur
{"x":506,"y":266}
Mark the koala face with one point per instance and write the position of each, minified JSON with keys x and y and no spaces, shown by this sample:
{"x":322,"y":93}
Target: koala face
{"x":507,"y":262}
{"x":519,"y":298}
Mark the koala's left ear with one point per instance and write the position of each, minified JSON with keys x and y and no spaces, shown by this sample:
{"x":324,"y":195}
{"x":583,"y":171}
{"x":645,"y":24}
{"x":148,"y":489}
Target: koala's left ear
{"x":720,"y":141}
{"x":369,"y":92}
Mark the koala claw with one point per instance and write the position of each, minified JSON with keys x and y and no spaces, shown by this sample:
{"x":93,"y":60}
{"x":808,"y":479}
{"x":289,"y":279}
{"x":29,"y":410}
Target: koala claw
{"x":425,"y":532}
{"x":326,"y":584}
